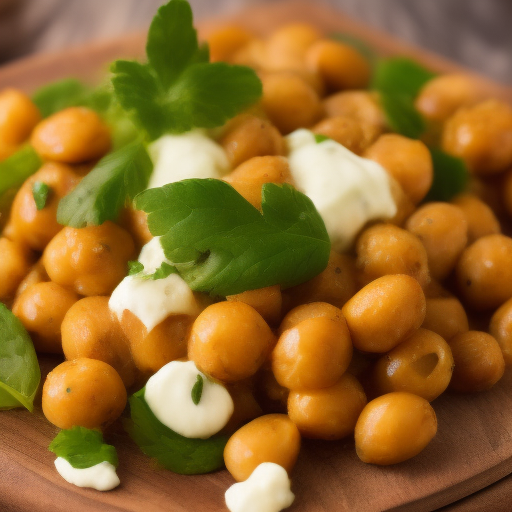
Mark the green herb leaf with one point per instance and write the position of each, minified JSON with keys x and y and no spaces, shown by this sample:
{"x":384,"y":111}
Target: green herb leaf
{"x":83,"y":448}
{"x":174,"y":452}
{"x":104,"y":191}
{"x":320,"y":138}
{"x":402,"y":116}
{"x":450,"y":176}
{"x":135,"y":267}
{"x":19,"y":370}
{"x":18,"y":167}
{"x":163,"y":271}
{"x":40,"y":192}
{"x":60,"y":95}
{"x":221,"y":244}
{"x":197,"y":390}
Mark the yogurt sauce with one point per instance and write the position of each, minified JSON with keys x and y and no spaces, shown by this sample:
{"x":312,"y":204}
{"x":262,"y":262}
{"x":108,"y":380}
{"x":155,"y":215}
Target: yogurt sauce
{"x":347,"y":190}
{"x":102,"y":476}
{"x":266,"y":490}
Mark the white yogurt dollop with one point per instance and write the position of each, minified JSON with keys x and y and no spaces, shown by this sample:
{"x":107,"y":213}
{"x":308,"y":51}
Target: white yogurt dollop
{"x":347,"y":190}
{"x":102,"y":476}
{"x":266,"y":490}
{"x":152,"y":255}
{"x":169,"y":395}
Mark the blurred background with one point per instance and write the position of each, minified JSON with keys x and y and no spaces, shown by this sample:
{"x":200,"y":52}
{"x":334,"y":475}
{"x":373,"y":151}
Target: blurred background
{"x":475,"y":33}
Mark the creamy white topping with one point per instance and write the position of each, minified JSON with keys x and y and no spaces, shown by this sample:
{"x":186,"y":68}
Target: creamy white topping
{"x":347,"y":190}
{"x":152,"y":255}
{"x":189,"y":155}
{"x":266,"y":490}
{"x":169,"y":395}
{"x":101,"y":477}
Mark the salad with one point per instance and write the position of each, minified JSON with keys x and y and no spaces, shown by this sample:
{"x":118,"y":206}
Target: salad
{"x":244,"y":244}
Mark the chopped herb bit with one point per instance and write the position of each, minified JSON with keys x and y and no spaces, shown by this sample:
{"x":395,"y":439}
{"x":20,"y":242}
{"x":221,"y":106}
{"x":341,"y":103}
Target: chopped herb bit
{"x":163,"y":271}
{"x":320,"y":138}
{"x":197,"y":390}
{"x":135,"y":267}
{"x":40,"y":192}
{"x":18,"y":167}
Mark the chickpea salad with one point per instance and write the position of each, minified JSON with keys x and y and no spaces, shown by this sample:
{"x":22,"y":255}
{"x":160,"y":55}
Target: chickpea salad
{"x":245,"y":243}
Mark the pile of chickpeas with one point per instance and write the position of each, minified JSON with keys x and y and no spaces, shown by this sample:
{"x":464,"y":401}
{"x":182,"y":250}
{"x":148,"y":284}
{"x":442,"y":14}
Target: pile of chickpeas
{"x":421,"y":302}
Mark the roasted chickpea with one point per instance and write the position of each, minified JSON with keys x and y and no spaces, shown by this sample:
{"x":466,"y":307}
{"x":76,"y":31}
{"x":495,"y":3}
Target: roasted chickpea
{"x":506,"y":192}
{"x":404,"y":204}
{"x":41,"y":309}
{"x":246,"y":408}
{"x":445,"y":316}
{"x":345,"y":130}
{"x":226,"y":41}
{"x":501,"y":329}
{"x":73,"y":135}
{"x":479,"y":362}
{"x":84,"y":392}
{"x":385,"y":312}
{"x":442,"y":229}
{"x":229,"y":341}
{"x":91,"y":260}
{"x":311,"y":310}
{"x":270,"y":438}
{"x":16,"y":261}
{"x":328,"y":413}
{"x":18,"y":116}
{"x":393,"y":428}
{"x":266,"y":301}
{"x":252,"y":54}
{"x":136,"y":223}
{"x":37,"y":274}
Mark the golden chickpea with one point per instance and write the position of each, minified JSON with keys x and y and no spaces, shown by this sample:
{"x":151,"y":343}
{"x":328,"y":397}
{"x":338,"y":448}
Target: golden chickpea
{"x":311,"y":310}
{"x":136,"y":223}
{"x":445,"y":316}
{"x":442,"y":229}
{"x":501,"y":329}
{"x":479,"y":216}
{"x":18,"y":116}
{"x":230,"y":341}
{"x":345,"y":130}
{"x":479,"y":362}
{"x":36,"y":227}
{"x":404,"y":204}
{"x":226,"y":41}
{"x":484,"y":273}
{"x":16,"y":261}
{"x":252,"y":54}
{"x":270,"y":438}
{"x":385,"y":249}
{"x":340,"y":65}
{"x":328,"y":413}
{"x":482,"y":136}
{"x":266,"y":301}
{"x":91,"y":260}
{"x":37,"y":274}
{"x":385,"y":312}
{"x":248,"y":178}
{"x":506,"y":192}
{"x":289,"y":101}
{"x":41,"y":309}
{"x":73,"y":135}
{"x":246,"y":408}
{"x":394,"y":427}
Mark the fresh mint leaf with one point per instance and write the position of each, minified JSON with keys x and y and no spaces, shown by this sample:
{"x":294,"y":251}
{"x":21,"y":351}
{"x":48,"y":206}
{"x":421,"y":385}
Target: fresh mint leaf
{"x":18,"y":167}
{"x":402,"y":116}
{"x":104,"y":191}
{"x":221,"y":244}
{"x":197,"y":390}
{"x":135,"y":267}
{"x":19,"y":370}
{"x":320,"y":138}
{"x":40,"y":192}
{"x":174,"y":452}
{"x":83,"y":448}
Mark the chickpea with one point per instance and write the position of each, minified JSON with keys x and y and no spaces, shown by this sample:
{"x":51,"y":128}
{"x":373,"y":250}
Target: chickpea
{"x":18,"y":116}
{"x":501,"y":329}
{"x":266,"y":301}
{"x":506,"y":192}
{"x":394,"y":427}
{"x":442,"y":229}
{"x":404,"y":204}
{"x":328,"y":413}
{"x":136,"y":223}
{"x":340,"y":65}
{"x":6,"y":150}
{"x":251,"y":136}
{"x":41,"y":309}
{"x":479,"y":362}
{"x":252,"y":54}
{"x":16,"y":261}
{"x":407,"y":160}
{"x":289,"y":101}
{"x":270,"y":438}
{"x":229,"y":341}
{"x":311,"y":310}
{"x":73,"y":135}
{"x":312,"y":355}
{"x":385,"y":312}
{"x":35,"y":227}
{"x":345,"y":130}
{"x":37,"y":274}
{"x":484,"y":273}
{"x":479,"y":216}
{"x":482,"y":136}
{"x":226,"y":41}
{"x":91,"y":330}
{"x":384,"y":249}
{"x":422,"y":364}
{"x":91,"y":260}
{"x":246,"y":408}
{"x":270,"y":394}
{"x":445,"y":316}
{"x":248,"y":178}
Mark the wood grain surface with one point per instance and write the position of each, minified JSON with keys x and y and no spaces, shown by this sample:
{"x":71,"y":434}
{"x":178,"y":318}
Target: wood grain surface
{"x":472,"y":450}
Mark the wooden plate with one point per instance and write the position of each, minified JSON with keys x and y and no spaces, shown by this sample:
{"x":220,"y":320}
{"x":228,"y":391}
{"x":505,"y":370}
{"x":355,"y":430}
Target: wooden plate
{"x":472,"y":449}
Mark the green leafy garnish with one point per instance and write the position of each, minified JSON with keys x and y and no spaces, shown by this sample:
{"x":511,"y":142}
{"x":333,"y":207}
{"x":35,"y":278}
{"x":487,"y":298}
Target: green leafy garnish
{"x":178,"y":90}
{"x":320,"y":138}
{"x":19,"y":370}
{"x":117,"y":177}
{"x":402,"y":116}
{"x":174,"y":452}
{"x":135,"y":267}
{"x":83,"y":448}
{"x":221,"y":244}
{"x":40,"y":192}
{"x":18,"y":167}
{"x":163,"y":271}
{"x":197,"y":390}
{"x":60,"y":95}
{"x":450,"y":176}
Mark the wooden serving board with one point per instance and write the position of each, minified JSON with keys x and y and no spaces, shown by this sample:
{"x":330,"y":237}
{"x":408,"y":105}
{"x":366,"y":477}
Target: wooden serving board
{"x":473,"y":447}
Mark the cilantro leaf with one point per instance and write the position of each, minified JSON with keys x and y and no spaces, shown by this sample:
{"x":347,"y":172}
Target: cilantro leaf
{"x":221,"y":244}
{"x":135,"y":267}
{"x":104,"y":191}
{"x":18,"y":167}
{"x":402,"y":116}
{"x":40,"y":192}
{"x":180,"y":454}
{"x":83,"y":448}
{"x":197,"y":390}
